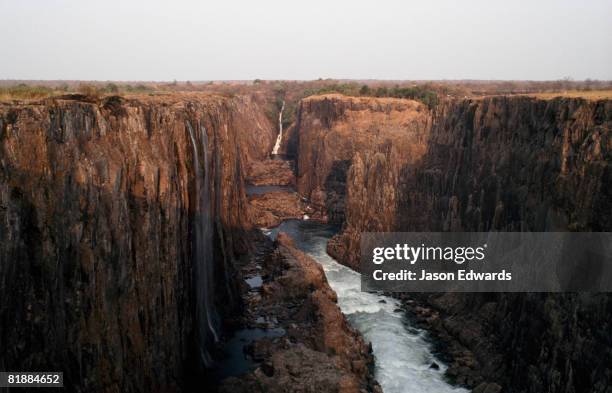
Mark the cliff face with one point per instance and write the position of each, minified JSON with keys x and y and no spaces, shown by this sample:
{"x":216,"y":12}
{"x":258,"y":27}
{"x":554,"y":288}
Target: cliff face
{"x":332,"y":129}
{"x":121,"y":219}
{"x":506,"y":164}
{"x":520,"y":164}
{"x":503,"y":163}
{"x":105,"y":227}
{"x":513,"y":164}
{"x":257,"y":133}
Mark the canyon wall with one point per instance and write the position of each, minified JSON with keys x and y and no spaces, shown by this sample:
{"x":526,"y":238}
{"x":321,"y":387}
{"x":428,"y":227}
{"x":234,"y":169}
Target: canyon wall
{"x":105,"y":229}
{"x":500,"y":163}
{"x":256,"y":131}
{"x":520,"y":164}
{"x":121,"y":220}
{"x":332,"y":129}
{"x":513,"y":164}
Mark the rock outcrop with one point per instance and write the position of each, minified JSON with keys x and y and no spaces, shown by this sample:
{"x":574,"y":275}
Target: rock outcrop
{"x":99,"y":207}
{"x":271,"y":172}
{"x":332,"y":129}
{"x":319,"y":351}
{"x":270,"y":209}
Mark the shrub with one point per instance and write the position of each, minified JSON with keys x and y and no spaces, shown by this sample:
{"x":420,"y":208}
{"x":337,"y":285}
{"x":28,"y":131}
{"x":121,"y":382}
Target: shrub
{"x":89,"y":90}
{"x":365,"y":90}
{"x":111,"y":88}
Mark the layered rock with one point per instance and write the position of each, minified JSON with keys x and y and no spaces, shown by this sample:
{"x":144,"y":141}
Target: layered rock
{"x":501,"y":163}
{"x":98,"y":208}
{"x":524,"y":342}
{"x":513,"y":164}
{"x":254,"y":128}
{"x":520,"y":164}
{"x":333,"y":128}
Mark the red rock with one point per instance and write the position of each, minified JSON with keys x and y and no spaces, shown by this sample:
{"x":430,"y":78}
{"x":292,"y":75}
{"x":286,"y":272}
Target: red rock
{"x":96,"y":206}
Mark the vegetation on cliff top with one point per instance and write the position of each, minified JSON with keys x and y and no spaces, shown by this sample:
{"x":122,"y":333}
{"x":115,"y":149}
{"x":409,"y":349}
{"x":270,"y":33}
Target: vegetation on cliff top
{"x":23,"y":91}
{"x":427,"y":94}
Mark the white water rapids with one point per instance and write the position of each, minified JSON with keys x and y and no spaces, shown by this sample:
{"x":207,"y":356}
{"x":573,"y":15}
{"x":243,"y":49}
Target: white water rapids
{"x":403,"y":354}
{"x":279,"y":138}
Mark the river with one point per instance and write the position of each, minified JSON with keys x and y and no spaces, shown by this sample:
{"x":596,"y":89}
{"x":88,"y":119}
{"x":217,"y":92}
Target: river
{"x":403,"y":354}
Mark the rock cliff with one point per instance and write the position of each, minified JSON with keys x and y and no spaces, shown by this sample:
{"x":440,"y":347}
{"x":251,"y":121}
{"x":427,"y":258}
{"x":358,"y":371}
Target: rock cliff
{"x":122,"y":220}
{"x":106,"y":232}
{"x":520,"y":164}
{"x":499,"y":163}
{"x":502,"y":163}
{"x":332,"y":129}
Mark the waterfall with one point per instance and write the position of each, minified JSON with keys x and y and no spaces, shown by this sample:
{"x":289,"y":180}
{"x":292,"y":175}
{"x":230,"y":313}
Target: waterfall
{"x":279,"y":138}
{"x":202,"y":248}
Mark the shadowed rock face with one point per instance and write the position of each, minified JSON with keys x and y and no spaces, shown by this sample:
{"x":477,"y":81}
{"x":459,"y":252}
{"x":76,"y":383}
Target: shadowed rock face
{"x":513,"y":164}
{"x":97,"y":201}
{"x":506,"y":164}
{"x":502,"y":163}
{"x":520,"y":164}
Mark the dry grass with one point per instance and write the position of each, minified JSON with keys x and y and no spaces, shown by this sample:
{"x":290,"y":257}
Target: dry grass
{"x":25,"y":92}
{"x":95,"y":90}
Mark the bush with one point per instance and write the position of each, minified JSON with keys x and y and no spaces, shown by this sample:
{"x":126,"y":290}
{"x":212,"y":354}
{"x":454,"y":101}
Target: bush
{"x":424,"y":94}
{"x":365,"y":90}
{"x":111,"y":88}
{"x":348,"y":89}
{"x":89,"y":90}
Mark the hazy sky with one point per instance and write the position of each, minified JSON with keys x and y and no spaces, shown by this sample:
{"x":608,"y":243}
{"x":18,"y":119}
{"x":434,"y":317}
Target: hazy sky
{"x":306,"y":39}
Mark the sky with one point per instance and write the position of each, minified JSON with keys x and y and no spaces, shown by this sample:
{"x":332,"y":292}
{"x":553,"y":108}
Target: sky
{"x":309,"y":39}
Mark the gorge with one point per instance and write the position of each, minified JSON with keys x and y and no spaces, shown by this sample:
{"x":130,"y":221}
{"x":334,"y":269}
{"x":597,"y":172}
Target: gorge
{"x":127,"y":234}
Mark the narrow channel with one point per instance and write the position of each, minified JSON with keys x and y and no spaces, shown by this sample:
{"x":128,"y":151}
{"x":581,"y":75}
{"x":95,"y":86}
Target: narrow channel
{"x":403,"y":354}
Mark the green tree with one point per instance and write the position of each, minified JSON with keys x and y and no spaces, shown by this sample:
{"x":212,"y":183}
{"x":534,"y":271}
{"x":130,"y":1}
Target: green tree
{"x":112,"y":88}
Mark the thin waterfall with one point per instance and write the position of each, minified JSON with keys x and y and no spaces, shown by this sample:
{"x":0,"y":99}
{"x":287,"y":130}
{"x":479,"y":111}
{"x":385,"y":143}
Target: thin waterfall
{"x":279,"y":138}
{"x":202,"y":248}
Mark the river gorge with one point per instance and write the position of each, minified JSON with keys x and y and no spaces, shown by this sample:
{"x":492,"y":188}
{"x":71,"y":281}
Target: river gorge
{"x":153,"y":243}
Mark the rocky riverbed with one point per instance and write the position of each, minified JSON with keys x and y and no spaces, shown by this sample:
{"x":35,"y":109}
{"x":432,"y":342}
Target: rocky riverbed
{"x":307,"y":344}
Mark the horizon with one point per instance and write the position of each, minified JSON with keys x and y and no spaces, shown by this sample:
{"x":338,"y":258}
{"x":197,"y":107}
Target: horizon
{"x":350,"y":80}
{"x":240,"y":41}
